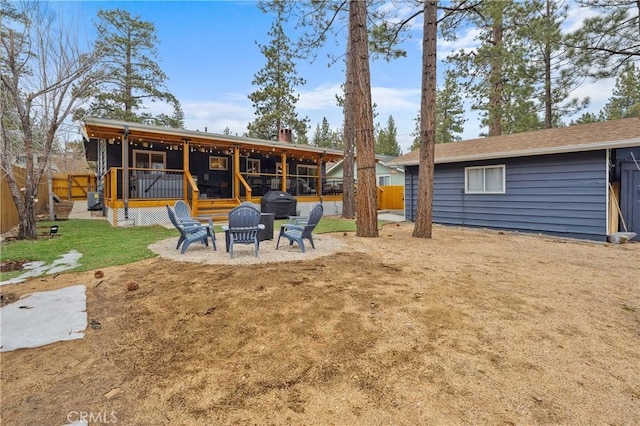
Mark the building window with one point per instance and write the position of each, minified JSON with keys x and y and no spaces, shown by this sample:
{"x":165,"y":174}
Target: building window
{"x":279,"y":168}
{"x":306,"y":180}
{"x":384,"y":180}
{"x":218,"y":163}
{"x":253,"y":166}
{"x":155,"y":160}
{"x":484,"y":180}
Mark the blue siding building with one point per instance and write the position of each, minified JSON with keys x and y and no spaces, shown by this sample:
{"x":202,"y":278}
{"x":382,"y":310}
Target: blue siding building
{"x":555,"y":181}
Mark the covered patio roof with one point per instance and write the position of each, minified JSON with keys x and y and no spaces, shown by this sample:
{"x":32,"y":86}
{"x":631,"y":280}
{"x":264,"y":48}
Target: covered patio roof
{"x":99,"y":128}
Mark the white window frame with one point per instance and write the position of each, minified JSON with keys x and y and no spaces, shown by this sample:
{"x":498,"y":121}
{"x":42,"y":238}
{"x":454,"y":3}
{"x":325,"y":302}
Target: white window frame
{"x":484,"y":180}
{"x":313,"y":167}
{"x":387,"y":177}
{"x":253,"y":166}
{"x":279,"y":168}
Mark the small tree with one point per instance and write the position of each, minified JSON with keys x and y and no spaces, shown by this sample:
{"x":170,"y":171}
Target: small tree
{"x":44,"y":76}
{"x":387,"y":141}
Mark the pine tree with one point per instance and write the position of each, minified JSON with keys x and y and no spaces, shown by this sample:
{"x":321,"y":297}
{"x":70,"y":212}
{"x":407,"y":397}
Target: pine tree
{"x":387,"y":140}
{"x":625,"y":102}
{"x":275,"y":100}
{"x":495,"y":75}
{"x":548,"y":62}
{"x":128,"y":46}
{"x":323,"y":135}
{"x":585,"y":118}
{"x":358,"y":100}
{"x":609,"y":40}
{"x":449,"y":111}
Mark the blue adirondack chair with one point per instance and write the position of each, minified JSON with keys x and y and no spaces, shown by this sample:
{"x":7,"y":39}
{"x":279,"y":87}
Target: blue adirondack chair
{"x":190,"y":232}
{"x":244,"y":222}
{"x":300,"y":228}
{"x":183,"y":213}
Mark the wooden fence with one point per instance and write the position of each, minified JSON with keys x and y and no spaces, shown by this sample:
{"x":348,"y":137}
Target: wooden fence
{"x":73,"y":186}
{"x":391,"y":197}
{"x":8,"y":212}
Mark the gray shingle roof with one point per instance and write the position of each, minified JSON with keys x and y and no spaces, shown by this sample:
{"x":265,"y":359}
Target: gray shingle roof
{"x":585,"y":137}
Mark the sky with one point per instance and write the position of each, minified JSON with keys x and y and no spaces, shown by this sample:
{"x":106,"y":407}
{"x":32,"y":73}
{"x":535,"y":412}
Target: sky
{"x":209,"y":51}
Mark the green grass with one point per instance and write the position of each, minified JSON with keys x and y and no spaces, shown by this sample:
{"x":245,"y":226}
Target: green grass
{"x":102,"y":245}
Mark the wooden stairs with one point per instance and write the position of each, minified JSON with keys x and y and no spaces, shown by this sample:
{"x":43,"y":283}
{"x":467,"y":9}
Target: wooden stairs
{"x":217,"y":209}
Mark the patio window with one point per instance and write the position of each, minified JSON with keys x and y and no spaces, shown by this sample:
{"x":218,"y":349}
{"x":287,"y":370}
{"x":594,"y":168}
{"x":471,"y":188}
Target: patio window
{"x":484,"y":180}
{"x":253,"y":166}
{"x":218,"y":163}
{"x":279,"y":168}
{"x":149,"y":160}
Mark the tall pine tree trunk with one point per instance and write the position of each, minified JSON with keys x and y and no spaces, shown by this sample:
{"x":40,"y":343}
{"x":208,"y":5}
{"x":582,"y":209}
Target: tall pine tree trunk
{"x":548,"y":101}
{"x":366,"y":195}
{"x":348,"y":179}
{"x":495,"y":77}
{"x":424,"y":212}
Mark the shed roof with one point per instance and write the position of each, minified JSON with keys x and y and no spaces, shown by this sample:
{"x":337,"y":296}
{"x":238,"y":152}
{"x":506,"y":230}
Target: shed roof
{"x":584,"y":137}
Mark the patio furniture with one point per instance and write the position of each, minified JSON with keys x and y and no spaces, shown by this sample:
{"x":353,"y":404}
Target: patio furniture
{"x":266,"y":220}
{"x":244,"y":223}
{"x":300,"y":228}
{"x":183,"y":213}
{"x":190,"y":232}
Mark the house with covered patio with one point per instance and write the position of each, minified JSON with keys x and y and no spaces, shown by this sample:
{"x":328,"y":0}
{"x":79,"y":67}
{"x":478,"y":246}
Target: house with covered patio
{"x":141,"y":168}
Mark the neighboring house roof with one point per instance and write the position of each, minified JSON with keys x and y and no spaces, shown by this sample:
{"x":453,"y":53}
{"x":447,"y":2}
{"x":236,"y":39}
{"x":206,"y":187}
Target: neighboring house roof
{"x":584,"y":137}
{"x":382,"y":159}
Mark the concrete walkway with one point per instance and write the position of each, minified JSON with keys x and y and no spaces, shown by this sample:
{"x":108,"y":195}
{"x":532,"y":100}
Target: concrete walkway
{"x":80,"y":211}
{"x":391,"y":215}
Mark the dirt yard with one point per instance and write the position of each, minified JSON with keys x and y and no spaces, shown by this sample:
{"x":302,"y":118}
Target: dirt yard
{"x":471,"y":327}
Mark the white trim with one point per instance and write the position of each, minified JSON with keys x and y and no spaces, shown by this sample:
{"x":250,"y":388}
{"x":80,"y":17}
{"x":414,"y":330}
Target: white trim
{"x":484,"y":191}
{"x":596,"y":146}
{"x":251,"y":171}
{"x":383,"y":176}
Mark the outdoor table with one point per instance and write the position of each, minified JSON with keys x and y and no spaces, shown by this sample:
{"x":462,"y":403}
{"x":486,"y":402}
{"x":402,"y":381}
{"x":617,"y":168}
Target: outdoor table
{"x":266,"y":219}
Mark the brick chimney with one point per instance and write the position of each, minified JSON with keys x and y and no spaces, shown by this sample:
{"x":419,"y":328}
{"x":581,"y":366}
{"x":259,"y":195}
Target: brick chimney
{"x":284,"y":135}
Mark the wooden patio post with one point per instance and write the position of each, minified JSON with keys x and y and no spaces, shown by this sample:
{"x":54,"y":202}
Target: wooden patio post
{"x":236,"y":172}
{"x":185,"y":169}
{"x":125,"y":171}
{"x":283,"y":162}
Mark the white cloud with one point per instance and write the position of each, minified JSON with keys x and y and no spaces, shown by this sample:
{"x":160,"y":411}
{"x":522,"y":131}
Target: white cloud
{"x":216,"y":116}
{"x":575,"y":18}
{"x":467,"y":40}
{"x":320,"y":98}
